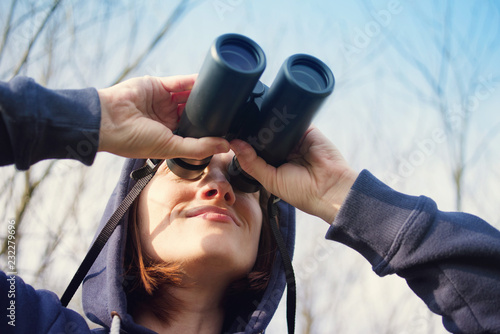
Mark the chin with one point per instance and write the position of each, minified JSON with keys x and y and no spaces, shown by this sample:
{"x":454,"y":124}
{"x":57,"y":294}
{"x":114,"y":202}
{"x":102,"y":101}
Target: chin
{"x":226,"y":255}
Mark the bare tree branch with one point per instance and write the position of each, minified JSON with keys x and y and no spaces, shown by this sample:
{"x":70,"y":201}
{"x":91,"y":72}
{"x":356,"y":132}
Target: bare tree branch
{"x":8,"y":27}
{"x":29,"y":189}
{"x":454,"y":77}
{"x":24,"y":58}
{"x":55,"y":237}
{"x":172,"y":19}
{"x":484,"y":144}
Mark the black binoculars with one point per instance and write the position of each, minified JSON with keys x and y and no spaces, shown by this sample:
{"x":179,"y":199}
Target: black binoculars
{"x":228,"y":100}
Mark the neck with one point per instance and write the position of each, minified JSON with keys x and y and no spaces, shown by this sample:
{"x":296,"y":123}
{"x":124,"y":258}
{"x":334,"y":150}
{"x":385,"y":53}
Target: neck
{"x":198,"y":309}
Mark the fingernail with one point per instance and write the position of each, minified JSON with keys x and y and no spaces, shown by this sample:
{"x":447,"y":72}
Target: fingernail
{"x":236,"y":145}
{"x":223,"y":148}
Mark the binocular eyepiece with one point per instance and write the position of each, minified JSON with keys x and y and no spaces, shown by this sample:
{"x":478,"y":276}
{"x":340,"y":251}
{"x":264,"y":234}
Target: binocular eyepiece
{"x":228,"y":100}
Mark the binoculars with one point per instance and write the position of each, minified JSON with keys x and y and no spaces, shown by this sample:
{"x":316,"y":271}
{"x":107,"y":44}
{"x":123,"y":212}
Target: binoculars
{"x":228,"y":100}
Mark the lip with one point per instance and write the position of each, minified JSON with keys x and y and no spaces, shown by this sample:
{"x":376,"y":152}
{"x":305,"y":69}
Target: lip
{"x":214,"y":213}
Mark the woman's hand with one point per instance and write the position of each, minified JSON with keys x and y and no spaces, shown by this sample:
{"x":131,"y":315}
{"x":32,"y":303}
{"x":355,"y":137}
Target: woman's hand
{"x":316,"y":178}
{"x":139,"y":115}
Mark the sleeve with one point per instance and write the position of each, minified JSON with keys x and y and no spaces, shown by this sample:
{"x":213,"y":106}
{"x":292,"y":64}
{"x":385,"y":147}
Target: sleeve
{"x":450,"y":260}
{"x":26,"y":310}
{"x":38,"y":123}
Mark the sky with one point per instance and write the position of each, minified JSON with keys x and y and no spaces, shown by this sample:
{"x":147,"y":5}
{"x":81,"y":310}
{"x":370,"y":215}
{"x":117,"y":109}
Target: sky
{"x":384,"y":114}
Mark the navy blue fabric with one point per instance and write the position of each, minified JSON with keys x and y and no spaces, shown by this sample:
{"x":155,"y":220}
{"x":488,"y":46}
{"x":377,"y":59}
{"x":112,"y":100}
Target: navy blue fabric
{"x":37,"y":123}
{"x":450,"y":260}
{"x":35,"y":311}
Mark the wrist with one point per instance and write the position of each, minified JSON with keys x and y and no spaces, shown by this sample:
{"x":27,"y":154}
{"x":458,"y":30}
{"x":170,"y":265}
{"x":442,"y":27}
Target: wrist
{"x":335,"y":198}
{"x":105,"y":127}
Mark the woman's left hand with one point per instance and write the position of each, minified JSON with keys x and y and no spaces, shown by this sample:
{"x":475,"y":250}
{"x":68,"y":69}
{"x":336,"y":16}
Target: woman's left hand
{"x":316,"y":179}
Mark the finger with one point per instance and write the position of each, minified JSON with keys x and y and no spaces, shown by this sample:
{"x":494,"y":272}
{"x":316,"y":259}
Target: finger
{"x":180,"y":97}
{"x":194,"y":148}
{"x":178,"y":83}
{"x":254,"y":165}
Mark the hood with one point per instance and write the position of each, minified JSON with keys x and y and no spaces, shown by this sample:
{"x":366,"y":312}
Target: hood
{"x":103,"y":287}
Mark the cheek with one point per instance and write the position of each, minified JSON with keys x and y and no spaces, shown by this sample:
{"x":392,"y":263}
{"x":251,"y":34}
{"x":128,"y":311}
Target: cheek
{"x":253,"y":216}
{"x":160,"y":198}
{"x":258,"y":224}
{"x":153,"y":209}
{"x":156,"y":208}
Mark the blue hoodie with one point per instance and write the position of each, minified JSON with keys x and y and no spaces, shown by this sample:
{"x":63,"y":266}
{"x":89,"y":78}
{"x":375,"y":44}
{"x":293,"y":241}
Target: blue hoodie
{"x":451,"y":260}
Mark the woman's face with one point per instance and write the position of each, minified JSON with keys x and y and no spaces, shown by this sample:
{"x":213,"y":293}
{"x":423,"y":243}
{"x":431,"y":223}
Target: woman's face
{"x":204,"y":223}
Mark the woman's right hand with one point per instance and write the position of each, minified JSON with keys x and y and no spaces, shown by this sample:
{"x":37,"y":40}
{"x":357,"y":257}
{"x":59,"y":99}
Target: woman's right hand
{"x":138,"y":117}
{"x":316,"y":179}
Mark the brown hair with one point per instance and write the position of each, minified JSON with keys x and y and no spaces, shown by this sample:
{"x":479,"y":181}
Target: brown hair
{"x":145,"y":276}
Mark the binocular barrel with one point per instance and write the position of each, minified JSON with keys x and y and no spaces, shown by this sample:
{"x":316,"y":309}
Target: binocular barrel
{"x":228,"y":100}
{"x":228,"y":75}
{"x":297,"y":93}
{"x":295,"y":96}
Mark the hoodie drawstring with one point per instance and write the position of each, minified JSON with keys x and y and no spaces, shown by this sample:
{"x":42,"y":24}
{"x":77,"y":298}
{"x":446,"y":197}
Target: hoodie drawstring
{"x":115,"y":324}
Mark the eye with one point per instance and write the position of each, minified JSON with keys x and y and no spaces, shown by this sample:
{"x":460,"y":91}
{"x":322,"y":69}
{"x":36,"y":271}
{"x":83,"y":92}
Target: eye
{"x":199,"y":177}
{"x":178,"y":179}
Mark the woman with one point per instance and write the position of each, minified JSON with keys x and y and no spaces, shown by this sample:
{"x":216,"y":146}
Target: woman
{"x":198,"y":257}
{"x":449,"y":259}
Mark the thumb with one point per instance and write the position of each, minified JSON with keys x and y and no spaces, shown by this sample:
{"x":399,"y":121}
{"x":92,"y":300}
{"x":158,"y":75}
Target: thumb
{"x":196,"y":148}
{"x":254,"y":165}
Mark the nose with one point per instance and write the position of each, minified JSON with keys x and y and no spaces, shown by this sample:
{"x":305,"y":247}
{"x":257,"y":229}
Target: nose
{"x":217,"y":187}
